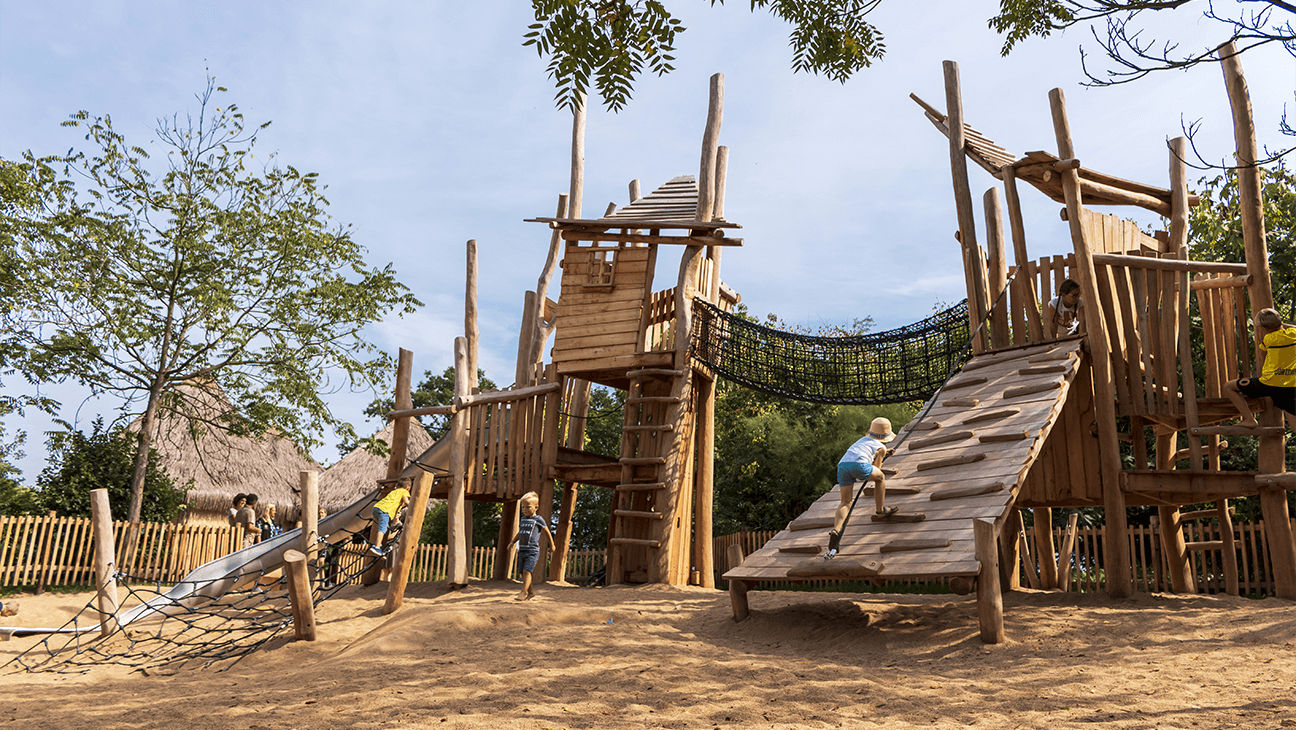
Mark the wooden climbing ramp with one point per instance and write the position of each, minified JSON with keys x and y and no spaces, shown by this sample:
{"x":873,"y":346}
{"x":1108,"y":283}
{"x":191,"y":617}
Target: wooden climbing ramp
{"x":964,"y":461}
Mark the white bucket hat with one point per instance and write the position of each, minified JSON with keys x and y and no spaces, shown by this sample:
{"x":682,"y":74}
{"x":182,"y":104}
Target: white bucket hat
{"x":880,"y":430}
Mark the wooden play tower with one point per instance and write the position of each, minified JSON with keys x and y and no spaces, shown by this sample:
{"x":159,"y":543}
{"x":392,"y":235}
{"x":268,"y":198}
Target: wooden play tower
{"x":611,"y":327}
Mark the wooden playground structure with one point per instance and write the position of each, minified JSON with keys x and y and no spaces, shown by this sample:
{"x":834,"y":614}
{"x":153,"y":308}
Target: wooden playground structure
{"x":1036,"y":423}
{"x":609,"y":326}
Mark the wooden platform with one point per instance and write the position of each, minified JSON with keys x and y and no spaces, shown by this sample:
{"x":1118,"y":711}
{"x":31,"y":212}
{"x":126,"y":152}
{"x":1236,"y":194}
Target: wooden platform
{"x":985,"y":429}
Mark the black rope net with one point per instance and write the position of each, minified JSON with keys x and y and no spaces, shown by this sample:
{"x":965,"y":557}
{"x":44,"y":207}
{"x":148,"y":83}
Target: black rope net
{"x":237,"y":614}
{"x":897,"y":366}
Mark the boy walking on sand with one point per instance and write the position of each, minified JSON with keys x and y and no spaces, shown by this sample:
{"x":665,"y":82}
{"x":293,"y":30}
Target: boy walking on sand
{"x":1276,"y":361}
{"x":530,"y":525}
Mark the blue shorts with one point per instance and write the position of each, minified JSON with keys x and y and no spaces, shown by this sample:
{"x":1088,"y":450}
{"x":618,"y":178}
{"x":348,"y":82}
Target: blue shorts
{"x":382,"y":519}
{"x":527,"y":557}
{"x":849,"y":472}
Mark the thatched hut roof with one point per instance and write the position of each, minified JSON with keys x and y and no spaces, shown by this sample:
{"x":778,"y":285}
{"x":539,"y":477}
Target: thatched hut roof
{"x":194,"y":446}
{"x":357,"y":473}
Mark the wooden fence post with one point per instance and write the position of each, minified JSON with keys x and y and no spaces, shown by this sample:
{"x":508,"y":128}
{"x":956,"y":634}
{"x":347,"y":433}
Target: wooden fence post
{"x":299,"y":595}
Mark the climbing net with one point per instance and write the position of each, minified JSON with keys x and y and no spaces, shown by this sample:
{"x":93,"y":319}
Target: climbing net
{"x":900,"y":365}
{"x":217,"y":623}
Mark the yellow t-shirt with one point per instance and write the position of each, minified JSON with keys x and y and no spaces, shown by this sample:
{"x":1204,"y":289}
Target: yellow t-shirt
{"x":391,"y":502}
{"x":1280,"y":358}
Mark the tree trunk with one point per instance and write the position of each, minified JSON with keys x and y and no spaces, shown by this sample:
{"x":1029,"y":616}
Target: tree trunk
{"x":141,"y":453}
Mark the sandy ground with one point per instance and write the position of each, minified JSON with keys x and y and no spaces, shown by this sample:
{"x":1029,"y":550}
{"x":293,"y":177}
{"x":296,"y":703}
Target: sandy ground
{"x":657,"y":657}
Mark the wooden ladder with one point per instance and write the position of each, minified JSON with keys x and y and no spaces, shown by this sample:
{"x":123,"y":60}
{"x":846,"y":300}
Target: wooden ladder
{"x":652,"y":411}
{"x":1227,"y":544}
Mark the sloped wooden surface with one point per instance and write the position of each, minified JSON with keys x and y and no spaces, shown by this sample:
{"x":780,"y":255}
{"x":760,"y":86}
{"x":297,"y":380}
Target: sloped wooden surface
{"x":950,"y":519}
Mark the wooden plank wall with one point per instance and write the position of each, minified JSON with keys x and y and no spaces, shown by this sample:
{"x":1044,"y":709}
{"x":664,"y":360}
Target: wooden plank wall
{"x":659,"y":323}
{"x":1061,"y":474}
{"x":597,"y":324}
{"x":1047,"y":274}
{"x":1225,"y":320}
{"x":506,"y":448}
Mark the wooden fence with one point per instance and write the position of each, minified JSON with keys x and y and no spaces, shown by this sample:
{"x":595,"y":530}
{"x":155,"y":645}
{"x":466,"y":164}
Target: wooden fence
{"x":54,"y":551}
{"x":47,"y":551}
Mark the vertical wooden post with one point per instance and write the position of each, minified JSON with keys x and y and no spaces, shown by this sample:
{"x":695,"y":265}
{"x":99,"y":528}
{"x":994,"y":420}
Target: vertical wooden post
{"x":1172,"y":537}
{"x":531,"y":316}
{"x":1020,"y":256}
{"x":105,"y":560}
{"x":998,"y":269}
{"x":963,"y":204}
{"x":457,"y":562}
{"x":704,"y":499}
{"x":471,"y":331}
{"x":308,"y":482}
{"x":1273,"y":502}
{"x":577,"y":159}
{"x":407,"y":547}
{"x":300,"y":596}
{"x":1045,"y":548}
{"x":1009,"y":551}
{"x":1064,"y":557}
{"x":1179,"y":245}
{"x":1119,"y":580}
{"x":534,"y":329}
{"x":710,"y":150}
{"x":399,"y":446}
{"x":737,"y":588}
{"x":989,"y":599}
{"x":509,"y":513}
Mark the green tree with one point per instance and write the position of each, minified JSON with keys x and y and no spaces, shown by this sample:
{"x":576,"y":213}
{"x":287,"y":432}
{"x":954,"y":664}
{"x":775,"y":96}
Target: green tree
{"x":104,"y":459}
{"x":613,"y":41}
{"x":222,"y":274}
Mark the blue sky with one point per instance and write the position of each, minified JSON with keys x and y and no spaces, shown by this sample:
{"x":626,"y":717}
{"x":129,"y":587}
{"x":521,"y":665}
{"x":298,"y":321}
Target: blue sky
{"x":431,"y":124}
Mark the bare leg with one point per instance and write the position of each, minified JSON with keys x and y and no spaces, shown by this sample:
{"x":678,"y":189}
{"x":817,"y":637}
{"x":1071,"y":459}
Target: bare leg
{"x":839,"y":517}
{"x":1239,"y":402}
{"x":879,"y":490}
{"x":526,"y":593}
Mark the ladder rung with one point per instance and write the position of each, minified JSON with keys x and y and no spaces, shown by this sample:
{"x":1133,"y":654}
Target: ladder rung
{"x":655,"y":399}
{"x":640,"y":486}
{"x":650,"y":427}
{"x":642,"y":460}
{"x":635,"y":541}
{"x":1209,"y":545}
{"x":638,"y":513}
{"x":653,"y":373}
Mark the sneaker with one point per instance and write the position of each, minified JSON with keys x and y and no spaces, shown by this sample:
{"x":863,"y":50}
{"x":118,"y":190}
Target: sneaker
{"x":375,"y":551}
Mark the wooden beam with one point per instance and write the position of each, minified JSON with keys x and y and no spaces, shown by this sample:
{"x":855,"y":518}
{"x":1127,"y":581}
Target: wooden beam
{"x":989,"y":597}
{"x":1147,"y":262}
{"x":963,"y":205}
{"x":644,"y":238}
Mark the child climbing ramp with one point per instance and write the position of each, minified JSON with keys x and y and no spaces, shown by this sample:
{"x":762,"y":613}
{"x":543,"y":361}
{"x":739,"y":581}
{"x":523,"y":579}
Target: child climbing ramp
{"x":962,"y":462}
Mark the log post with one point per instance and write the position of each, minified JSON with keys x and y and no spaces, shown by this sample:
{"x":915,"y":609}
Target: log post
{"x":308,"y":482}
{"x":105,"y":561}
{"x":1172,"y":538}
{"x":1273,"y":502}
{"x":989,"y":599}
{"x":1009,"y":552}
{"x":737,"y":588}
{"x":562,"y":540}
{"x":399,"y":447}
{"x":1179,"y":246}
{"x":1120,"y":583}
{"x":299,"y":595}
{"x":972,"y":267}
{"x":407,"y":546}
{"x":471,"y":332}
{"x":1025,"y":281}
{"x":457,"y":561}
{"x":1045,"y":548}
{"x":1064,"y":557}
{"x":998,"y":269}
{"x":703,"y":540}
{"x":577,"y":159}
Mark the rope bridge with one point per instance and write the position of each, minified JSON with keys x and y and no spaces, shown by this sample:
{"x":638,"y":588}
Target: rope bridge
{"x":247,"y":610}
{"x":900,"y":365}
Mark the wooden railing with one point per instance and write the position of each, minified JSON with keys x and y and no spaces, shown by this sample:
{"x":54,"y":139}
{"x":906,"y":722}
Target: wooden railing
{"x":505,"y":442}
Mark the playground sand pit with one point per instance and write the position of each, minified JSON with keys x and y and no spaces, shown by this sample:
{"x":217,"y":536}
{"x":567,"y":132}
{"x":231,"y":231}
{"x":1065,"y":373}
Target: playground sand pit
{"x":659,"y":657}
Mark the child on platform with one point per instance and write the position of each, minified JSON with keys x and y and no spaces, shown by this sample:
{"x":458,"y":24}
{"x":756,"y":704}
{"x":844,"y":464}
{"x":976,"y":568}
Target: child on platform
{"x":530,"y":525}
{"x":862,"y":462}
{"x":1276,"y":361}
{"x":1062,"y":313}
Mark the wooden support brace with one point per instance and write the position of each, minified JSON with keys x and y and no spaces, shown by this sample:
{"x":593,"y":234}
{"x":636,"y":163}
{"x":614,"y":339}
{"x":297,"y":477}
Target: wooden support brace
{"x":951,"y":461}
{"x":1032,"y":389}
{"x":960,"y":492}
{"x":1064,"y":557}
{"x":993,"y":438}
{"x":944,"y":438}
{"x":961,"y":402}
{"x":991,"y":416}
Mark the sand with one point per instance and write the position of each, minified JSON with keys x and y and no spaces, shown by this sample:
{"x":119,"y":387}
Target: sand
{"x":659,"y":657}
